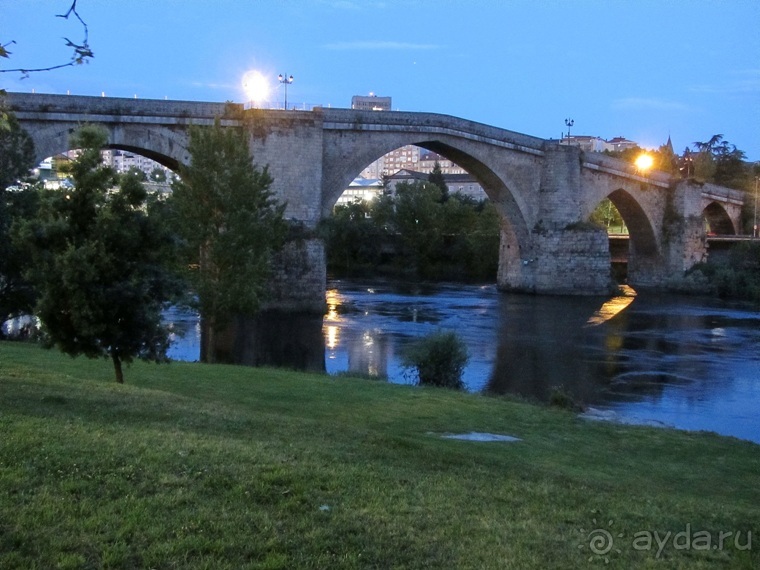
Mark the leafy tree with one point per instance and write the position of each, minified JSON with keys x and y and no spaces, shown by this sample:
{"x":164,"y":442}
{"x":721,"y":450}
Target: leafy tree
{"x":353,"y":239}
{"x":17,"y":296}
{"x":665,"y":160}
{"x":714,"y":160}
{"x":738,"y":275}
{"x":451,"y":240}
{"x":137,"y":174}
{"x":483,"y":241}
{"x":730,"y":168}
{"x":16,"y":152}
{"x":382,"y":211}
{"x":418,"y":223}
{"x":718,"y":161}
{"x":436,"y":177}
{"x":231,"y":224}
{"x":607,"y":216}
{"x":97,"y":263}
{"x":157,"y":175}
{"x":16,"y":158}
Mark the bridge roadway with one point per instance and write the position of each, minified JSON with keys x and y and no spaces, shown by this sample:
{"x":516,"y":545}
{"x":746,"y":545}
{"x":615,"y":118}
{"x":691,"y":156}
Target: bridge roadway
{"x":543,"y":191}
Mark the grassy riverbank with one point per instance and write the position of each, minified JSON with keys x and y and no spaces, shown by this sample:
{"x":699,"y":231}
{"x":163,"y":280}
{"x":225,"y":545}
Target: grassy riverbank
{"x":194,"y":466}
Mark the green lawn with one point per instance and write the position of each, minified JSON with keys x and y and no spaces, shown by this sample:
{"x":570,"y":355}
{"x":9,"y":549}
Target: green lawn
{"x":195,"y":466}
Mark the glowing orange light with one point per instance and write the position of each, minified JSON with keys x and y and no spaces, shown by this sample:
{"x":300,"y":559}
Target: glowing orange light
{"x":644,"y":162}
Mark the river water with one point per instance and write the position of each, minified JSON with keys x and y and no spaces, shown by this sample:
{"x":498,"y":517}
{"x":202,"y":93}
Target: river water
{"x":686,"y":362}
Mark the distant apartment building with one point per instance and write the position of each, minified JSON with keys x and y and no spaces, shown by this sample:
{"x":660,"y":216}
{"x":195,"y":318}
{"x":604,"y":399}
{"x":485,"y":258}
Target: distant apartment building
{"x":597,"y":144}
{"x":370,"y":102}
{"x":368,"y":189}
{"x":587,"y":144}
{"x":122,"y":161}
{"x":428,"y":158}
{"x":463,"y":183}
{"x":407,"y":157}
{"x":620,"y":143}
{"x":410,"y":157}
{"x":361,"y":190}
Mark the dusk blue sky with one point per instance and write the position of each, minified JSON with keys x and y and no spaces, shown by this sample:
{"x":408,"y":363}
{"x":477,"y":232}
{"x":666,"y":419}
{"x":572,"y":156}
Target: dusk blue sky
{"x":639,"y":69}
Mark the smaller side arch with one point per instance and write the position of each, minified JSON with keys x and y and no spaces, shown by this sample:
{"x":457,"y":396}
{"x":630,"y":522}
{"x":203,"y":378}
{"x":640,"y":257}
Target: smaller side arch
{"x":165,"y":146}
{"x":644,"y":256}
{"x":718,"y":221}
{"x":642,"y":235}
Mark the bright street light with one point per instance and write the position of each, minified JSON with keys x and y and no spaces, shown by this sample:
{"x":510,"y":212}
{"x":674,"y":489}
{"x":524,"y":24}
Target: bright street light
{"x":256,"y":86}
{"x":644,"y":162}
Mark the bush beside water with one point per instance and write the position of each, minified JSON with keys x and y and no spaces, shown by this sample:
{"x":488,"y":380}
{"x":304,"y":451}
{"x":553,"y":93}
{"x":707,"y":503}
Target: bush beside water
{"x":738,"y":277}
{"x":439,"y":359}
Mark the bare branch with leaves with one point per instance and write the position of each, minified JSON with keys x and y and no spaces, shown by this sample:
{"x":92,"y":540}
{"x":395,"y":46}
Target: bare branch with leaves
{"x":81,"y":51}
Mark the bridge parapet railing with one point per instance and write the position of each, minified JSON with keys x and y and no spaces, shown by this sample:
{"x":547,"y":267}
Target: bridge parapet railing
{"x":84,"y":104}
{"x":612,"y":165}
{"x":722,"y":194}
{"x":413,"y":121}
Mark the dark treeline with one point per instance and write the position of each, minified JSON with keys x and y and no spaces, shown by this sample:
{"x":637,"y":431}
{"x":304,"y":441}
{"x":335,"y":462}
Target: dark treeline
{"x":736,"y":276}
{"x":418,"y":233}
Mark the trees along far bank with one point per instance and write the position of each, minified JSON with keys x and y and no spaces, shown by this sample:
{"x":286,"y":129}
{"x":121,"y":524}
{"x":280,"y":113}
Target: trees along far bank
{"x":418,"y":232}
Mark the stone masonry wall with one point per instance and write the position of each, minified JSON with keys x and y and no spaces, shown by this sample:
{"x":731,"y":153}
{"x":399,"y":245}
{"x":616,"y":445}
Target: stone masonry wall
{"x":573,"y":261}
{"x":299,"y":278}
{"x":290,"y":144}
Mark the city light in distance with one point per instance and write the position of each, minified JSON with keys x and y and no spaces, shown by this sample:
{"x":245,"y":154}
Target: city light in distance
{"x":256,"y":86}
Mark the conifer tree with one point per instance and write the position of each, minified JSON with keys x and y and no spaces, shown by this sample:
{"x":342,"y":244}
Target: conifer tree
{"x":436,"y":177}
{"x":97,"y":262}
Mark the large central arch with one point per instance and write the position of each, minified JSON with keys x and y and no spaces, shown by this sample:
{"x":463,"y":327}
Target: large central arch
{"x":344,"y":157}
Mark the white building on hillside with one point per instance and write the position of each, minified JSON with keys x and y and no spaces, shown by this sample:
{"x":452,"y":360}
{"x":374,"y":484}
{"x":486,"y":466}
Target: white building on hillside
{"x":361,"y":189}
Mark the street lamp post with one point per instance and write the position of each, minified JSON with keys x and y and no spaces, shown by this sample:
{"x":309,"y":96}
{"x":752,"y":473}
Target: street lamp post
{"x":285,"y":80}
{"x":569,"y":123}
{"x":754,"y":226}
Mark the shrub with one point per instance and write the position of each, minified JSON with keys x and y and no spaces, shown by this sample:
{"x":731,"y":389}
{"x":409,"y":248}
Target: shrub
{"x":735,"y":278}
{"x":560,"y":397}
{"x":439,"y":359}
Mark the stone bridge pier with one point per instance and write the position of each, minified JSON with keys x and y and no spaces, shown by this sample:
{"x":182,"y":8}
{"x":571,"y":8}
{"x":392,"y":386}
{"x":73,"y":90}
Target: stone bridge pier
{"x":563,"y":253}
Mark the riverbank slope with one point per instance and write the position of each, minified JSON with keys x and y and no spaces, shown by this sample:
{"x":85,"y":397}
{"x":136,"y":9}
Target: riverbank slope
{"x":195,"y":466}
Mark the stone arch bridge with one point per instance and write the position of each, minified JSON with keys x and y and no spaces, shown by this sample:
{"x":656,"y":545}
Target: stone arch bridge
{"x":543,"y":191}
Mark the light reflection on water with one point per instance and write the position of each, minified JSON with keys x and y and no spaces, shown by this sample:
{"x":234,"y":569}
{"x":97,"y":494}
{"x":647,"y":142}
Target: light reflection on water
{"x":686,"y":362}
